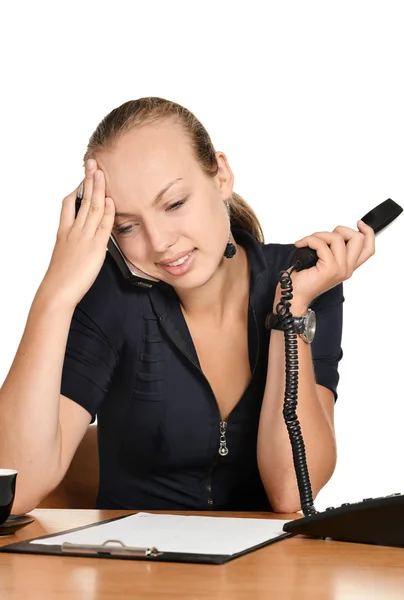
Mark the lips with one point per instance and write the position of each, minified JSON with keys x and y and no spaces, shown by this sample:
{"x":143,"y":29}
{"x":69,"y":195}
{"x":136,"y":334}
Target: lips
{"x":183,"y":267}
{"x":165,"y":263}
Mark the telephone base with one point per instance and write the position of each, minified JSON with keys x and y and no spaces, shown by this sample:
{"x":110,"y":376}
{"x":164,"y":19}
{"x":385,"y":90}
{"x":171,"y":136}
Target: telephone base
{"x":373,"y":521}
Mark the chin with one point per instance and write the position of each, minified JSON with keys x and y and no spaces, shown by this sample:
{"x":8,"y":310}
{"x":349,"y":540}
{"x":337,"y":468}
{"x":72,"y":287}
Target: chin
{"x":192,"y":281}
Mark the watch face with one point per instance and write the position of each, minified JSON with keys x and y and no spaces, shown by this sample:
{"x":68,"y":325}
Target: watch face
{"x":311,"y":325}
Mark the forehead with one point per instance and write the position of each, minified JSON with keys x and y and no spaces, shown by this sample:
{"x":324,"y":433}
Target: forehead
{"x":145,"y":159}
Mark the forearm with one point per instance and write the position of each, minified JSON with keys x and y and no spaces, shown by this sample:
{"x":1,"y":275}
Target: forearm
{"x":274,"y":448}
{"x":29,"y":397}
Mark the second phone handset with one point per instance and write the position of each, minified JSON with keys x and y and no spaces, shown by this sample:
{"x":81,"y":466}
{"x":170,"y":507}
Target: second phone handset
{"x":378,"y":219}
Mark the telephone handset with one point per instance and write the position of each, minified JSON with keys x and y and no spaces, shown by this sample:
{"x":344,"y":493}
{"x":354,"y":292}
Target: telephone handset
{"x":373,"y":520}
{"x":378,"y":219}
{"x":130,"y":272}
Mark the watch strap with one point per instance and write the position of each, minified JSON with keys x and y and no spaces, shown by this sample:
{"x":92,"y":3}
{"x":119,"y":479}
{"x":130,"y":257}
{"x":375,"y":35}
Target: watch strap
{"x":272,"y":321}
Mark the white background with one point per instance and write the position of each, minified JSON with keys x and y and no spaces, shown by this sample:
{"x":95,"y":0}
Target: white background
{"x":305,"y":98}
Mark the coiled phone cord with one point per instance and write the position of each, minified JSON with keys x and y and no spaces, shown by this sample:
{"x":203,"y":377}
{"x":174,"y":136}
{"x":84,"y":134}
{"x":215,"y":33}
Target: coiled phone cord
{"x":291,"y":389}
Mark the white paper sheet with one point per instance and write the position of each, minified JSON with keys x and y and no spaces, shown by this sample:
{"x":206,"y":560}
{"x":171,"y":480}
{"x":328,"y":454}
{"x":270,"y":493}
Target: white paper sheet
{"x":172,"y":533}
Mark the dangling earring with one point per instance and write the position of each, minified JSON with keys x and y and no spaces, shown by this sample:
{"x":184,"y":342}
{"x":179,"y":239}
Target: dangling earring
{"x":231,"y":249}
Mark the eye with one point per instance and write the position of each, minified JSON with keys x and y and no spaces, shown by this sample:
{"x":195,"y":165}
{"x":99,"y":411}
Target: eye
{"x":123,"y":230}
{"x":174,"y":206}
{"x":177,"y":204}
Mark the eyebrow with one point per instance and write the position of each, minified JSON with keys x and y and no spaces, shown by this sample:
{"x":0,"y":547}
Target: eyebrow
{"x":156,"y":199}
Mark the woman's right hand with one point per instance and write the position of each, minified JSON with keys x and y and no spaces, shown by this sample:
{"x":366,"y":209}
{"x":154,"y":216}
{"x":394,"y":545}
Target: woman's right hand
{"x":81,"y":243}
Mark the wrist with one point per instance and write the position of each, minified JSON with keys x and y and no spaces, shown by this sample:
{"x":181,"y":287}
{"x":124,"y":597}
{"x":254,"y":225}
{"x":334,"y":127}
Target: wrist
{"x":297,"y":308}
{"x":47,"y":299}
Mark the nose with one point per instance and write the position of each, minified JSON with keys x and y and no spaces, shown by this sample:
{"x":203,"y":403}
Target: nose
{"x":159,"y":238}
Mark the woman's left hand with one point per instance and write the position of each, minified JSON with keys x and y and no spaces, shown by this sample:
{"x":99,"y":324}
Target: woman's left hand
{"x":339,"y":253}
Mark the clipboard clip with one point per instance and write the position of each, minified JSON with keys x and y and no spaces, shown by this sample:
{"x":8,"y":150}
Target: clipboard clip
{"x":107,"y":548}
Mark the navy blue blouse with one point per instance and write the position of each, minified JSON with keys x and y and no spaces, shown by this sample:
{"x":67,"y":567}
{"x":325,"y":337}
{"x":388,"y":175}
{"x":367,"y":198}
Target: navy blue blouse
{"x":131,"y":362}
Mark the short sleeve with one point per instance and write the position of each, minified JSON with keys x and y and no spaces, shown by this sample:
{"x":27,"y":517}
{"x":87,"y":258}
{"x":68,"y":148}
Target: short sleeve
{"x":326,"y":346}
{"x":94,"y":341}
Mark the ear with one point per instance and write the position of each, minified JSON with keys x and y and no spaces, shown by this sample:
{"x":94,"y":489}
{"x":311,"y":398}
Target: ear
{"x":224,"y":177}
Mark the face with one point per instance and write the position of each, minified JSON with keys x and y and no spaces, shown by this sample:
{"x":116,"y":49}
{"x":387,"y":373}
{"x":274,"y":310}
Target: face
{"x":189,"y":219}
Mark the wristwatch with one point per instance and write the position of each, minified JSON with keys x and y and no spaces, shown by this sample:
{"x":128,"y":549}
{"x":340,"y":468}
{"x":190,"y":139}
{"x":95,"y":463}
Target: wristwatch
{"x":304,"y":326}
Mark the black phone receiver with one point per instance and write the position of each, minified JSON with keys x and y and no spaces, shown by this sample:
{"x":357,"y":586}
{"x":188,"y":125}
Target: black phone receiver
{"x":378,"y":218}
{"x":130,"y":272}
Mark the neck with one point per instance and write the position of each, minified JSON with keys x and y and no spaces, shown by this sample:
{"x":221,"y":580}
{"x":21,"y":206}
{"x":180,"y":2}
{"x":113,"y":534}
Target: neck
{"x":220,"y":296}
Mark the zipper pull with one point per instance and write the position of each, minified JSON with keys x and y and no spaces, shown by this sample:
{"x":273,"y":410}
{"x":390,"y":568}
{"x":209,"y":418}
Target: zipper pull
{"x":223,"y":449}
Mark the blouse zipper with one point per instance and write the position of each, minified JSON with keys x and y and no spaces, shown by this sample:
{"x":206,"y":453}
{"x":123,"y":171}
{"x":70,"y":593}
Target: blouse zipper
{"x":223,"y":449}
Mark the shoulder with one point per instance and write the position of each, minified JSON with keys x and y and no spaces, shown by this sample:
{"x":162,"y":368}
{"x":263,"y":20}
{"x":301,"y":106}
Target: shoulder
{"x":278,"y":255}
{"x":265,"y":259}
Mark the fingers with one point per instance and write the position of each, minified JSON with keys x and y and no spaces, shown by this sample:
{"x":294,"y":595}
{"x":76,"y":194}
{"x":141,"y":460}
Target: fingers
{"x":353,"y":244}
{"x":90,"y":169}
{"x":330,"y":248}
{"x":369,"y":245}
{"x":107,"y":222}
{"x":94,"y":213}
{"x":96,"y":206}
{"x":347,"y":248}
{"x":360,"y":246}
{"x":68,"y":212}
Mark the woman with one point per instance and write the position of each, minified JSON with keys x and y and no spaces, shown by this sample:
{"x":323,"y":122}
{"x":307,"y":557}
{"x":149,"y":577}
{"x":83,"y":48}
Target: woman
{"x":185,"y":379}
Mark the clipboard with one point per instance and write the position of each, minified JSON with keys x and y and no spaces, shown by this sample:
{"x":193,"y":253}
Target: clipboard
{"x":116,"y":549}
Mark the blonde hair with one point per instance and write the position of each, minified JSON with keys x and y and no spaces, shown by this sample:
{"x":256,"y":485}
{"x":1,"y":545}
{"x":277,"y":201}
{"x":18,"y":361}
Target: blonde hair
{"x":143,"y":111}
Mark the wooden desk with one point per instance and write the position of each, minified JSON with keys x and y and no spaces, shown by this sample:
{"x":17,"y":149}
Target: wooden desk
{"x":295,"y":569}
